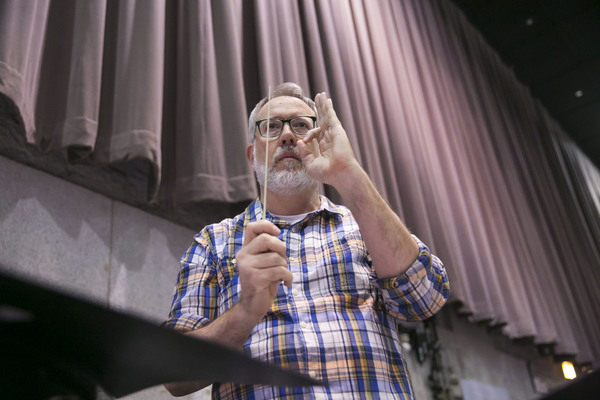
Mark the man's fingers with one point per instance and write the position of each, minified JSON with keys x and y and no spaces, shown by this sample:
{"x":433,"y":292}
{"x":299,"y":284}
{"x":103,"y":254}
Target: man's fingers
{"x":265,"y":261}
{"x":288,"y":282}
{"x":313,"y":133}
{"x":265,"y":243}
{"x":262,"y":278}
{"x":329,"y":116}
{"x":308,"y":147}
{"x":276,"y":274}
{"x":323,"y":104}
{"x":254,"y":229}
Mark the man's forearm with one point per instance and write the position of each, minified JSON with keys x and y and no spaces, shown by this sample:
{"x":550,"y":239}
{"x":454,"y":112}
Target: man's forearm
{"x":389,"y":242}
{"x":231,"y":329}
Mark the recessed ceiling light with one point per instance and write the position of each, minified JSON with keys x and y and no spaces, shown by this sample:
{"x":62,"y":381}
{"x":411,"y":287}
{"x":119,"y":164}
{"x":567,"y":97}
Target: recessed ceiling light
{"x":529,"y":21}
{"x":579,"y":93}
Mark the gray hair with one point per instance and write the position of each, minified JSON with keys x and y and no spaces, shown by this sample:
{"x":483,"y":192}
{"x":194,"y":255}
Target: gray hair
{"x":285,"y":89}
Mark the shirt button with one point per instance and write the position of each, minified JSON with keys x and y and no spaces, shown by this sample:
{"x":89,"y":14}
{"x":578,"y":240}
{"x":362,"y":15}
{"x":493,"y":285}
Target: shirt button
{"x":303,"y":325}
{"x":292,"y":259}
{"x":312,"y":374}
{"x":295,"y":292}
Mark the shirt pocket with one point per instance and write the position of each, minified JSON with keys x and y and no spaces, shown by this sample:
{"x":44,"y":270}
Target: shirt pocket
{"x":350,"y":265}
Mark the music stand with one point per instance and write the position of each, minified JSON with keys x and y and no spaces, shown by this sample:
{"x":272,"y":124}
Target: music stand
{"x":52,"y":343}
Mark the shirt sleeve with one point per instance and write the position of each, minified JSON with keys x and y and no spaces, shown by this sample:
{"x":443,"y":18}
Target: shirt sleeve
{"x":195,"y":297}
{"x":421,"y":291}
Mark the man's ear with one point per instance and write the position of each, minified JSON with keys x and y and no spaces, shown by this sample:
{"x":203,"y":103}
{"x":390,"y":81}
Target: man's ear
{"x":250,"y":153}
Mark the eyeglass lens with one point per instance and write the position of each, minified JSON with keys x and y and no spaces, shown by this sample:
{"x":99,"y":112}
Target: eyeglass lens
{"x":300,"y":126}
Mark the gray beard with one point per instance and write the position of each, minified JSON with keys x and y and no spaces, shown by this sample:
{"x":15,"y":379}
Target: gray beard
{"x":287,"y":181}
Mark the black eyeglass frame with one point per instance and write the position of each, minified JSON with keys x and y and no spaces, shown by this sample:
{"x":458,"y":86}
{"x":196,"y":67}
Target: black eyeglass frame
{"x":283,"y":122}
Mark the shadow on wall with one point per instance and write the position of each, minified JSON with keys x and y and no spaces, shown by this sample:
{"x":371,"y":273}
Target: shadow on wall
{"x":44,"y":213}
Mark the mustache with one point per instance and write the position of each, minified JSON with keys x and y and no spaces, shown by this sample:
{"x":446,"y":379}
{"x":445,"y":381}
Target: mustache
{"x":286,"y":149}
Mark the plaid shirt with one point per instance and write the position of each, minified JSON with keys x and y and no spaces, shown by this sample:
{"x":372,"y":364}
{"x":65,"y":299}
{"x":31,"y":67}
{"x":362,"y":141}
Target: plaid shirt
{"x":338,"y":321}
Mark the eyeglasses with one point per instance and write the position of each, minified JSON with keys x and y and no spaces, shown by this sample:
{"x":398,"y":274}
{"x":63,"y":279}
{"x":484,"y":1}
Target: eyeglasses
{"x":300,"y":126}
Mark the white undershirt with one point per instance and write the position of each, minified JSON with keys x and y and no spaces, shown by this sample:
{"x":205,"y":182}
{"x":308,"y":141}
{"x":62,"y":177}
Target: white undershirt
{"x":291,"y":219}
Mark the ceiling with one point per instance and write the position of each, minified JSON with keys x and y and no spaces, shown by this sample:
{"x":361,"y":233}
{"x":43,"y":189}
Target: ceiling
{"x":554,"y":48}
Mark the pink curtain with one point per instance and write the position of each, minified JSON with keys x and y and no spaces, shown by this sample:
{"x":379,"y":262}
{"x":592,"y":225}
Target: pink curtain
{"x":455,"y":143}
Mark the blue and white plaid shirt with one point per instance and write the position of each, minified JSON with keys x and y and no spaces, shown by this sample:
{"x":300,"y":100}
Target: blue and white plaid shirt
{"x":338,"y":321}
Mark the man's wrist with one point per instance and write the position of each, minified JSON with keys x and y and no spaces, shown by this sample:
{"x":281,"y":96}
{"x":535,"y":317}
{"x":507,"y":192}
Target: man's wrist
{"x":231,"y":329}
{"x":350,"y":181}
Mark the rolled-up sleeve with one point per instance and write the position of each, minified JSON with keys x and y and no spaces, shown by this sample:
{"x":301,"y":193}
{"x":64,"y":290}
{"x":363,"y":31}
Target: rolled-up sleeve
{"x":421,"y":291}
{"x":195,"y":297}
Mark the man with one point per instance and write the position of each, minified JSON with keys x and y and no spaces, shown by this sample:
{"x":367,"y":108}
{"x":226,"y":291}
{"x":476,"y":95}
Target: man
{"x":349,"y":273}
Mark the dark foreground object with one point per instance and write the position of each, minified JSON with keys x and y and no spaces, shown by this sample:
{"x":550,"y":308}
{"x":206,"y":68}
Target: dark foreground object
{"x":54,"y":344}
{"x":585,"y":388}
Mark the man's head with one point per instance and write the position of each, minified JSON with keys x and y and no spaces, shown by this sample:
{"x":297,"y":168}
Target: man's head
{"x":285,"y":89}
{"x":291,"y":115}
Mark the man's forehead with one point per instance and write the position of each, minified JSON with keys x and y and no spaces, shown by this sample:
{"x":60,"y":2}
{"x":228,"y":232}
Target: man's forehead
{"x":284,"y":106}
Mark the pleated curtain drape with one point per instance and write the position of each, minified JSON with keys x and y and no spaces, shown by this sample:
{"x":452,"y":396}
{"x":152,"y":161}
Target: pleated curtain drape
{"x":454,"y":142}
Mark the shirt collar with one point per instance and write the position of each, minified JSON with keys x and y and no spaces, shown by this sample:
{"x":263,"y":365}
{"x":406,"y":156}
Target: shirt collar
{"x":255,"y":209}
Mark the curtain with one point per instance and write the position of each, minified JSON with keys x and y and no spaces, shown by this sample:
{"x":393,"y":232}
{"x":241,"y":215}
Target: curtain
{"x":459,"y":148}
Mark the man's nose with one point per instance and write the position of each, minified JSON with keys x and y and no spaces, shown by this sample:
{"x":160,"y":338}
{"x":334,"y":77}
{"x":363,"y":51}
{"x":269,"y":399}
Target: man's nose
{"x":287,"y":135}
